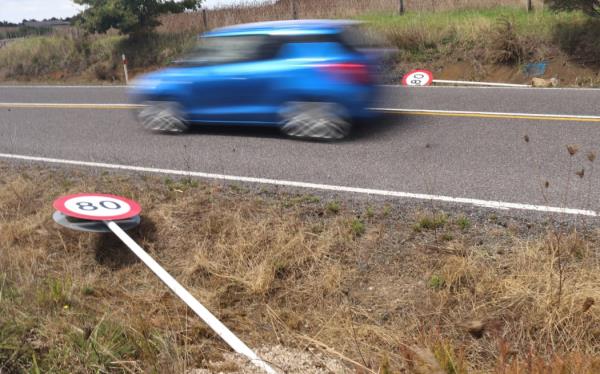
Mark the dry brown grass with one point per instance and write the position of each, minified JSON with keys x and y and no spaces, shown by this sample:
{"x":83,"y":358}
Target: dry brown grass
{"x":473,"y":295}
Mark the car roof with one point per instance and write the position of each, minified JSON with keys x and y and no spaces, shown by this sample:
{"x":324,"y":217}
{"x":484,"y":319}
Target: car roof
{"x":291,"y":27}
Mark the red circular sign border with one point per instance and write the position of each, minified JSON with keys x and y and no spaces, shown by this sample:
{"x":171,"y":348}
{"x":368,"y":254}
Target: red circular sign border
{"x":59,"y":204}
{"x":405,"y":77}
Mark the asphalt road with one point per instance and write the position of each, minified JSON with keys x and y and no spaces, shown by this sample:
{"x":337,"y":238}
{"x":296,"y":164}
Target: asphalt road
{"x":458,"y":156}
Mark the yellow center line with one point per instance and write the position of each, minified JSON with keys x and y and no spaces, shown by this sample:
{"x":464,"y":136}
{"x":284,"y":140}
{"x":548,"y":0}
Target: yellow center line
{"x":503,"y":116}
{"x":69,"y":106}
{"x":433,"y":113}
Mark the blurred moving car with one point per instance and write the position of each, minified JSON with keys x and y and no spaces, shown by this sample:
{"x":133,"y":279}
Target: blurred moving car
{"x":310,"y":78}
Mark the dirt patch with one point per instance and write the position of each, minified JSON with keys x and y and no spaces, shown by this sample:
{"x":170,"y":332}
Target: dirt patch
{"x":286,"y":360}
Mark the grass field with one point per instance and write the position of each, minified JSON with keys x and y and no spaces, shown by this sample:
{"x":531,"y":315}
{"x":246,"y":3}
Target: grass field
{"x":377,"y":287}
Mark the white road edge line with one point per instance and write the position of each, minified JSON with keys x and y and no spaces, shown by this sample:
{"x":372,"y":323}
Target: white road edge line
{"x":317,"y":186}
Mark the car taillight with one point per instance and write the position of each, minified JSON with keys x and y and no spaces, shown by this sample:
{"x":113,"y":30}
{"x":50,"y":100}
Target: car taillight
{"x":351,"y":72}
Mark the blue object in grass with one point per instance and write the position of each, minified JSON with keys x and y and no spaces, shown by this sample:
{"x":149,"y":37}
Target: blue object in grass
{"x":535,"y":69}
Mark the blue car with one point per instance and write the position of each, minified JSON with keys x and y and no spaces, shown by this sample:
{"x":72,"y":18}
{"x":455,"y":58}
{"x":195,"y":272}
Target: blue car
{"x":310,"y":78}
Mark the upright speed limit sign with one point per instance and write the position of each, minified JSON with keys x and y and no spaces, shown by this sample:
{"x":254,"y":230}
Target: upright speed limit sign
{"x":97,"y":207}
{"x":418,"y":78}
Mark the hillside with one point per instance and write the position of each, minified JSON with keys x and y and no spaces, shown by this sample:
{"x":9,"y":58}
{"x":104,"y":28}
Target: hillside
{"x":472,"y":40}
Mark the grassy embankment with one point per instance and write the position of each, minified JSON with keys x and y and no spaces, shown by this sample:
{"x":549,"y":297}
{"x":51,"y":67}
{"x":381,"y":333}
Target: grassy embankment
{"x":495,"y":44}
{"x":483,"y":44}
{"x":86,"y":57}
{"x":380,"y":288}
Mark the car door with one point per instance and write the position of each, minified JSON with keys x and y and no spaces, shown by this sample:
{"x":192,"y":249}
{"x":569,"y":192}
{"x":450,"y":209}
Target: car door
{"x":236,"y":87}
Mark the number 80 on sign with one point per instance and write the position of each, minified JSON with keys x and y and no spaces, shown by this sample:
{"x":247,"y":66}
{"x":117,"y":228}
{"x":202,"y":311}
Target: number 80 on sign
{"x":97,"y":207}
{"x":418,"y":78}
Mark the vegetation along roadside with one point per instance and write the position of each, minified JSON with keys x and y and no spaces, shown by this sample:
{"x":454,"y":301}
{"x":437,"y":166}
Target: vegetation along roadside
{"x":494,"y":41}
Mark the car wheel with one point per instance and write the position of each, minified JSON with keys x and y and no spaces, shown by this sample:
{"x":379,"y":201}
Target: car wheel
{"x":163,"y":116}
{"x":317,"y":120}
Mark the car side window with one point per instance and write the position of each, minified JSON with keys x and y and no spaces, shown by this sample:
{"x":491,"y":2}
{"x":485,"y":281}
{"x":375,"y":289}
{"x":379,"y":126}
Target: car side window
{"x":232,"y":49}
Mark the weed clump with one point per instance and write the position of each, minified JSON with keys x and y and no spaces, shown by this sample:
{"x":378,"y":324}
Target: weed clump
{"x":333,"y":207}
{"x":463,"y":222}
{"x":506,"y":46}
{"x":358,"y":227}
{"x":431,"y":221}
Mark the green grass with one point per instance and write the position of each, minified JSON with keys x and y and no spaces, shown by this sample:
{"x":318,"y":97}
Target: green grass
{"x":436,"y":282}
{"x":470,"y":34}
{"x":305,"y":199}
{"x":333,"y":207}
{"x":468,"y":23}
{"x":358,"y":227}
{"x":463,"y":222}
{"x":431,"y":222}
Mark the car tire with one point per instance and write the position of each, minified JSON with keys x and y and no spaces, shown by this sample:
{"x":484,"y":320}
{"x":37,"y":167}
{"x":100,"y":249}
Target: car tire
{"x":315,"y":120}
{"x":163,"y":116}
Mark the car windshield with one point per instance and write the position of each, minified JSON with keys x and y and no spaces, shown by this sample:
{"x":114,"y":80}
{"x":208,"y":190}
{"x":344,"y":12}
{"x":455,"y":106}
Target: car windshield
{"x":219,"y":50}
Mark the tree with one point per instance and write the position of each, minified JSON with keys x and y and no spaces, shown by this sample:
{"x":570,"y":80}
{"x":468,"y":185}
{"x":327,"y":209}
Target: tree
{"x":134,"y":17}
{"x":591,"y":7}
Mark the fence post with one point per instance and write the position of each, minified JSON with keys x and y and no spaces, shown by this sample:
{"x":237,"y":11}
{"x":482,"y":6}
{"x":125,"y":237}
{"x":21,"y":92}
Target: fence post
{"x":294,"y":10}
{"x":204,"y":19}
{"x":529,"y":6}
{"x":401,"y":9}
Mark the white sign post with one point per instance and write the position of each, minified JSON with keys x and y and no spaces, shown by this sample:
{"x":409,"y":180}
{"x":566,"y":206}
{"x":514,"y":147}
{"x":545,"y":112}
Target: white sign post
{"x":109,"y":209}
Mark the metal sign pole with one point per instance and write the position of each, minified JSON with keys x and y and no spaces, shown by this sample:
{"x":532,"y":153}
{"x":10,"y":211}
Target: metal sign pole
{"x":212,"y":321}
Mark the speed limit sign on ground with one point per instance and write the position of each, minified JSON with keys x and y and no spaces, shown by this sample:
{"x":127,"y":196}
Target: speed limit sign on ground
{"x":97,"y":207}
{"x":418,"y":78}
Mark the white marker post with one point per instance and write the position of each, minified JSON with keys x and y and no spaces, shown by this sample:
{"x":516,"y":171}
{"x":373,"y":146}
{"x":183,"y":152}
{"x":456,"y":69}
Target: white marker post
{"x":125,"y":68}
{"x":110,"y":208}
